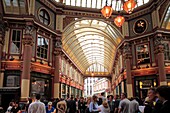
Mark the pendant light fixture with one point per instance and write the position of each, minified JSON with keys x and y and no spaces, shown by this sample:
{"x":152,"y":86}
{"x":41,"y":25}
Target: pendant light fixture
{"x":128,"y":6}
{"x":119,"y":20}
{"x":107,"y":10}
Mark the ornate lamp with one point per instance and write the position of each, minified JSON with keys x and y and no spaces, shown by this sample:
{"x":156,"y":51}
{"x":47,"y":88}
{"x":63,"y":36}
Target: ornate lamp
{"x":119,"y":20}
{"x":107,"y":10}
{"x":129,"y":6}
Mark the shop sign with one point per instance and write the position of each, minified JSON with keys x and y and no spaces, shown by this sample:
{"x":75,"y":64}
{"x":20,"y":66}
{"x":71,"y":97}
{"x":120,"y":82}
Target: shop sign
{"x":6,"y":90}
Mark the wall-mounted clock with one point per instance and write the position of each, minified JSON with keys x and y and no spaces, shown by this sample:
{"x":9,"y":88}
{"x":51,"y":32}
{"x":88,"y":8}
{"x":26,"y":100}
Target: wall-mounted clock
{"x":140,"y":26}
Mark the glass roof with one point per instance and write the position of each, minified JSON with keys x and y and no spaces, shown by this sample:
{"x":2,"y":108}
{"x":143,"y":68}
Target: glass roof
{"x":166,"y":22}
{"x":99,"y":4}
{"x":91,"y":44}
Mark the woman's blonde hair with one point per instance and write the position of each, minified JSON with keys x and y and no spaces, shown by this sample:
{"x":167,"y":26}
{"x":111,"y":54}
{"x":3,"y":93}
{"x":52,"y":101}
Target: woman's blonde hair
{"x":105,"y":104}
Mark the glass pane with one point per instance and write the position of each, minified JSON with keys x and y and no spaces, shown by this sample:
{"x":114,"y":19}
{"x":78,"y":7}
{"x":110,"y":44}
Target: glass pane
{"x":78,"y":2}
{"x":93,"y":3}
{"x":15,"y":3}
{"x":8,"y":2}
{"x":13,"y":81}
{"x":99,"y":3}
{"x":22,"y":3}
{"x":73,"y":2}
{"x":88,"y":3}
{"x":83,"y":3}
{"x":42,"y":47}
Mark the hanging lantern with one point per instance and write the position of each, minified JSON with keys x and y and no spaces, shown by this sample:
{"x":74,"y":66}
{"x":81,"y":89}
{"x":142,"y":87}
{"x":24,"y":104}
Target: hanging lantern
{"x":119,"y":20}
{"x":107,"y":11}
{"x":129,"y":6}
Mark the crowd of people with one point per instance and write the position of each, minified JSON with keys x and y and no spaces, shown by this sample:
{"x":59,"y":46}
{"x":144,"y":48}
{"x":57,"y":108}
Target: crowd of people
{"x":157,"y":101}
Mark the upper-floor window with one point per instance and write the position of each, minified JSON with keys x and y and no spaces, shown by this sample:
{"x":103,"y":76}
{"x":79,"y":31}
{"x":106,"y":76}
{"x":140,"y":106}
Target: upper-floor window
{"x":166,"y":51}
{"x":143,"y":54}
{"x":42,"y":47}
{"x":44,"y":17}
{"x":15,"y":6}
{"x":15,"y":41}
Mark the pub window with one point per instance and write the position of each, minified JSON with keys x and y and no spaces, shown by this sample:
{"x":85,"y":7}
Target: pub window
{"x":143,"y":54}
{"x":13,"y":81}
{"x":44,"y":17}
{"x":166,"y":51}
{"x":15,"y":42}
{"x":42,"y":47}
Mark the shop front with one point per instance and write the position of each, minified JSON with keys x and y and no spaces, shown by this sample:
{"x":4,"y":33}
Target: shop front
{"x":143,"y":83}
{"x":11,"y":88}
{"x":41,"y":84}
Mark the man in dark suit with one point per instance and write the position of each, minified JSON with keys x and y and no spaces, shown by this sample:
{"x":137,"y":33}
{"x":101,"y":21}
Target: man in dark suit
{"x":156,"y":103}
{"x":163,"y":93}
{"x":72,"y":105}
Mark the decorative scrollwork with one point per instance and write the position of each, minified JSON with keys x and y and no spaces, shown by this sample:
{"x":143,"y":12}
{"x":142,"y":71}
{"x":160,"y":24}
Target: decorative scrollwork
{"x":158,"y":40}
{"x":28,"y":40}
{"x":58,"y":44}
{"x":57,"y":52}
{"x":29,"y":29}
{"x":127,"y":51}
{"x":159,"y":49}
{"x":126,"y":48}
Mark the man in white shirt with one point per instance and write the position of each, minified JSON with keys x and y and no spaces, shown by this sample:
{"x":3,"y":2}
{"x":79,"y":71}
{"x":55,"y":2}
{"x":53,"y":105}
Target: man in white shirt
{"x":37,"y":106}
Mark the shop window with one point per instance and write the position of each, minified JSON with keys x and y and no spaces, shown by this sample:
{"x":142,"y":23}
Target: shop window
{"x":15,"y":6}
{"x":63,"y":89}
{"x":40,"y":86}
{"x":44,"y":17}
{"x":42,"y":47}
{"x":166,"y":51}
{"x":143,"y":54}
{"x":12,"y":81}
{"x":16,"y":41}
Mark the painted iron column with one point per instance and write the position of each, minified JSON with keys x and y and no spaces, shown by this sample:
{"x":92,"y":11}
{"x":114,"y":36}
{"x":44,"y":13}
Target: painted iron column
{"x":159,"y":51}
{"x":57,"y":67}
{"x":27,"y":56}
{"x":128,"y":56}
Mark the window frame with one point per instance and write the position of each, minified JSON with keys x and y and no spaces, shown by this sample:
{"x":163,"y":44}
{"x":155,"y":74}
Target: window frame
{"x":11,"y":8}
{"x":11,"y":35}
{"x":45,"y":11}
{"x":48,"y":50}
{"x":136,"y":52}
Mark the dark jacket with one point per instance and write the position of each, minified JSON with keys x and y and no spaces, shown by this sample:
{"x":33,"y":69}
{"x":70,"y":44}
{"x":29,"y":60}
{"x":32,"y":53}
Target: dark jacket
{"x":165,"y":107}
{"x":111,"y":105}
{"x":157,"y":107}
{"x":72,"y":106}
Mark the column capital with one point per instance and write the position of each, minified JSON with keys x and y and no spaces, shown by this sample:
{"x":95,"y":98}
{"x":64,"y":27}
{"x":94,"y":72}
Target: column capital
{"x":159,"y":49}
{"x":158,"y":40}
{"x":28,"y":38}
{"x":29,"y":28}
{"x":158,"y":44}
{"x":127,"y":51}
{"x":57,"y":52}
